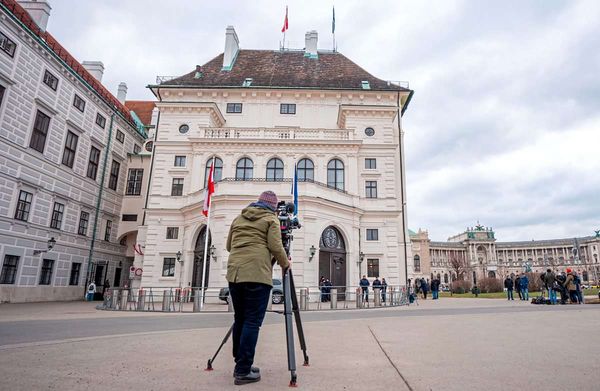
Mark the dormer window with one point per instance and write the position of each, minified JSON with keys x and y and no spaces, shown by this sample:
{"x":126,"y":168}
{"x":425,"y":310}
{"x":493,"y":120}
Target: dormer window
{"x":365,"y":85}
{"x":247,"y":82}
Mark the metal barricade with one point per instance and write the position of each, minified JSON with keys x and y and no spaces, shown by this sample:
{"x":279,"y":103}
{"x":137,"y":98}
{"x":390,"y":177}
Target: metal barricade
{"x":166,"y":301}
{"x":377,"y":297}
{"x":303,"y":299}
{"x":115,"y":299}
{"x":197,"y":299}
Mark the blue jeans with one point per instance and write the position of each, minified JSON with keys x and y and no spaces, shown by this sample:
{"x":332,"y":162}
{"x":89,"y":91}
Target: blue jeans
{"x":525,"y":293}
{"x":250,"y":300}
{"x":552,"y":295}
{"x":90,"y":296}
{"x":434,"y":294}
{"x":509,"y":294}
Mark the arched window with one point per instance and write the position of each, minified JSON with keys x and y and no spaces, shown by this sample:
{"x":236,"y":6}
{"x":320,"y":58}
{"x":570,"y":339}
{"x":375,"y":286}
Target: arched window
{"x":244,"y":169}
{"x":445,"y":278}
{"x":585,"y":276}
{"x":274,"y":170}
{"x":417,"y":264}
{"x":218,"y":172}
{"x":335,"y":174}
{"x":306,"y":170}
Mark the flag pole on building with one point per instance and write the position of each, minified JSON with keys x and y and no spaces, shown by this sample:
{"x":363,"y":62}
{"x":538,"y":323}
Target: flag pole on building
{"x":210,"y":189}
{"x":333,"y":28}
{"x":285,"y":25}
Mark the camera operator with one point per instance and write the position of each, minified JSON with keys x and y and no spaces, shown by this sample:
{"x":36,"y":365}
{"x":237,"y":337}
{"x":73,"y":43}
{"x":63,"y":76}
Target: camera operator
{"x":254,"y":238}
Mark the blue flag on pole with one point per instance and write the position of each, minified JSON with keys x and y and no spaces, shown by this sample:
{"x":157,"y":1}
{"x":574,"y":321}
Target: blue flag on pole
{"x":295,"y":189}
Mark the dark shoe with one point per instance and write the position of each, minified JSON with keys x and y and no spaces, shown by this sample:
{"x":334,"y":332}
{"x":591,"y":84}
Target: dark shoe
{"x":252,"y":377}
{"x":252,"y":369}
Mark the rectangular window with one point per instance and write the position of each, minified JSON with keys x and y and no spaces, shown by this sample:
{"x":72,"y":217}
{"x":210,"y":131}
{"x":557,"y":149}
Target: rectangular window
{"x":172,"y":232}
{"x":136,"y":149}
{"x":134,"y":181}
{"x":23,"y":206}
{"x":40,"y":132}
{"x":370,"y":164}
{"x":9,"y":269}
{"x":79,"y":103}
{"x":75,"y":270}
{"x":234,"y":107}
{"x":46,"y":276}
{"x":179,"y":161}
{"x":371,"y":189}
{"x":129,"y":218}
{"x":114,"y":175}
{"x":7,"y":45}
{"x":287,"y":108}
{"x":92,"y":170}
{"x":70,"y":149}
{"x":107,"y":230}
{"x":57,"y":215}
{"x":50,"y":80}
{"x":120,"y":136}
{"x":177,"y":187}
{"x":100,"y":120}
{"x":372,"y":234}
{"x":372,"y":267}
{"x":168,"y":267}
{"x":84,"y":219}
{"x":2,"y":90}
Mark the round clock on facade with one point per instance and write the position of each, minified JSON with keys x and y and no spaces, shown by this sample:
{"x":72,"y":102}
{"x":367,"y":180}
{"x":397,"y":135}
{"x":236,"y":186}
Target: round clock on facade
{"x":184,"y":128}
{"x":369,"y":131}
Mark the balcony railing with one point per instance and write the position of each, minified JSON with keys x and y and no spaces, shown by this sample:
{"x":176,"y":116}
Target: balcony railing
{"x":277,"y":133}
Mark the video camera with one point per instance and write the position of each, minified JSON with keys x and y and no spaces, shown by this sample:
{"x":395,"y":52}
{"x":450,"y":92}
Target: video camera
{"x":287,"y":223}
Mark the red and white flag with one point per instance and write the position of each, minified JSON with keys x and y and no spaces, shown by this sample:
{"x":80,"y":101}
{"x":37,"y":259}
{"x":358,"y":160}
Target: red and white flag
{"x":210,"y":189}
{"x":285,"y":21}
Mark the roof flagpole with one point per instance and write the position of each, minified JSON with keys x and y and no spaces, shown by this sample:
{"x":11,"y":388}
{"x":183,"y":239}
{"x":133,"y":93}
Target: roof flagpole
{"x":333,"y":28}
{"x":285,"y":26}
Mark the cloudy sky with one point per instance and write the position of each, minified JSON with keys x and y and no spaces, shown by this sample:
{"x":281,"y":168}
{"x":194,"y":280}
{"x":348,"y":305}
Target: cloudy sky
{"x":504,"y":126}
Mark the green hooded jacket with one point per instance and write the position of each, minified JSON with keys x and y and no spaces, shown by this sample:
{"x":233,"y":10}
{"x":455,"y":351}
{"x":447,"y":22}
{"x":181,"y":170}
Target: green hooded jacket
{"x":253,"y":238}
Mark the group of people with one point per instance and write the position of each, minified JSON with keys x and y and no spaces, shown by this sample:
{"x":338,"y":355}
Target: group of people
{"x":377,"y":283}
{"x":325,"y":288}
{"x":423,"y":286}
{"x":519,"y":283}
{"x":566,"y":283}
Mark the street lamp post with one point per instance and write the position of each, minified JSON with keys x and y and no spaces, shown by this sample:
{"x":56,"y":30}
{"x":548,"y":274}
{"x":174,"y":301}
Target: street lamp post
{"x":51,"y":243}
{"x":180,"y":261}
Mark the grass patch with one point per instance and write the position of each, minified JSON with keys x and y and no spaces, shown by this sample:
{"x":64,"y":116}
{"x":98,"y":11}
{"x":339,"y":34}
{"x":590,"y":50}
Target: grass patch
{"x":502,"y":295}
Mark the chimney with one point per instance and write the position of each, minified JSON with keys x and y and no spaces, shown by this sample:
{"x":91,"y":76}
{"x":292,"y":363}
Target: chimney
{"x":96,"y":68}
{"x":39,"y":10}
{"x":122,"y":92}
{"x":232,"y":47}
{"x":310,"y":44}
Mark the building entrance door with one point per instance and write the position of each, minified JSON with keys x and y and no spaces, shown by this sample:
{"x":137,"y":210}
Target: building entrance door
{"x":198,"y":261}
{"x":332,"y":259}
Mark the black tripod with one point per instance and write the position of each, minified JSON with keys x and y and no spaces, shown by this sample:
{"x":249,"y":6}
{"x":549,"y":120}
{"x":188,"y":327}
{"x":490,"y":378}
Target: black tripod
{"x":290,"y":305}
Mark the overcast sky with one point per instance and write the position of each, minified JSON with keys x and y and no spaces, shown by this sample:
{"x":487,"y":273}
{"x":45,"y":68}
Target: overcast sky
{"x":504,"y":126}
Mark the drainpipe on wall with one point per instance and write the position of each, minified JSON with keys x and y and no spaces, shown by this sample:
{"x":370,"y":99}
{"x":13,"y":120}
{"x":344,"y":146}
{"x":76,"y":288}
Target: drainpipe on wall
{"x":402,"y":200}
{"x":98,"y":202}
{"x":152,"y":161}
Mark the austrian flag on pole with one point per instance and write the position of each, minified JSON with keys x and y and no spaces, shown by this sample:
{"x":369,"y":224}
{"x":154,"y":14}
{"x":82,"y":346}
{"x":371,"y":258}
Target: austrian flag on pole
{"x":210,"y":189}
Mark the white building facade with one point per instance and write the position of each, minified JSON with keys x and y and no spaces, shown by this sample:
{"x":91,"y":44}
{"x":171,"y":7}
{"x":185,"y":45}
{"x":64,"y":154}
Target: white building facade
{"x":257,"y":113}
{"x":64,"y":146}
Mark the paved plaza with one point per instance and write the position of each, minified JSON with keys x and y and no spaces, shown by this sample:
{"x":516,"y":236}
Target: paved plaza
{"x":451,"y":344}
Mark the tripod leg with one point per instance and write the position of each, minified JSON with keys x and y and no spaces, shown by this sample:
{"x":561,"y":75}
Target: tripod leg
{"x":296,"y":311}
{"x":211,"y":360}
{"x":289,"y":331}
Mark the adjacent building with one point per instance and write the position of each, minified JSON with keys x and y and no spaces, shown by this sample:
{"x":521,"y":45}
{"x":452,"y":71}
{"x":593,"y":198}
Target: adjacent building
{"x":476,"y":254}
{"x":65,"y":145}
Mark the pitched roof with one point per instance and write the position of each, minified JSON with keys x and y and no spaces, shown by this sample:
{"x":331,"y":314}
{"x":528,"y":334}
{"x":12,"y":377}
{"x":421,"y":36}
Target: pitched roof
{"x":23,"y":16}
{"x":142,"y":108}
{"x":284,"y":69}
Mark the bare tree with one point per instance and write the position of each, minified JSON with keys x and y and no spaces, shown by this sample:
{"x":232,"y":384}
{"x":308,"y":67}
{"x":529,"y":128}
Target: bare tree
{"x":458,"y":265}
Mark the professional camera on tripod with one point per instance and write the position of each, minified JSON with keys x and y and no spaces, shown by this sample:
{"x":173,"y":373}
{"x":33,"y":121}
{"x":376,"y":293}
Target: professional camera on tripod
{"x":288,"y":222}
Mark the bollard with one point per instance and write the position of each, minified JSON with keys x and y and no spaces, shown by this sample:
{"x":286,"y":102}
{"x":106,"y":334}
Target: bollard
{"x":377,"y":297}
{"x":115,"y":299}
{"x":124,"y":298}
{"x":229,"y":304}
{"x":303,"y":299}
{"x":197,"y":301}
{"x":333,"y":298}
{"x":390,"y":296}
{"x":166,"y":303}
{"x":141,"y":300}
{"x":359,"y":300}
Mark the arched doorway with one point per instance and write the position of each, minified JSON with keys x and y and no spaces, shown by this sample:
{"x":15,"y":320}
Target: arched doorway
{"x":199,"y":258}
{"x":491,"y":274}
{"x":332,"y":259}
